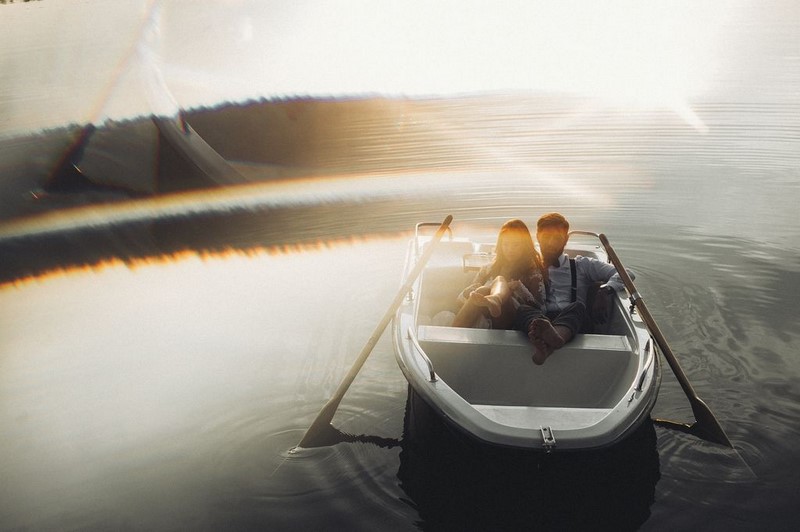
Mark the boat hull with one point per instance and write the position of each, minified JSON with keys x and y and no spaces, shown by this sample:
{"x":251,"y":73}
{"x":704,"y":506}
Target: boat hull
{"x":590,"y":394}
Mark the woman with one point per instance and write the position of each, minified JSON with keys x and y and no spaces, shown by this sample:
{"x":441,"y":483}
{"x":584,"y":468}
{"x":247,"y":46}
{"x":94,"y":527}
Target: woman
{"x":515,"y":277}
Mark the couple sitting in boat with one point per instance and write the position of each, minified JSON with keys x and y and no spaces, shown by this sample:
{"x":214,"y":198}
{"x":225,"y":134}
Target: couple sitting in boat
{"x":543,"y":294}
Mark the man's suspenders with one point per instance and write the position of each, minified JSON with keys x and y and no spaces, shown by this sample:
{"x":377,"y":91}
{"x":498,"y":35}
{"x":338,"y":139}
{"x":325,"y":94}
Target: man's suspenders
{"x":573,"y":271}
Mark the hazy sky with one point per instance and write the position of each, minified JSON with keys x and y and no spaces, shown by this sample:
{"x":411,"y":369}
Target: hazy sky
{"x":66,"y":61}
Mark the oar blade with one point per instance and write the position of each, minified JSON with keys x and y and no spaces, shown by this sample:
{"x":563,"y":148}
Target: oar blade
{"x":321,"y":433}
{"x":707,"y":427}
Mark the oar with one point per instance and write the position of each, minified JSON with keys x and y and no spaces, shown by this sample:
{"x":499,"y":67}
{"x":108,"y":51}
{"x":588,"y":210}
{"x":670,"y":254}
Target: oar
{"x":318,"y":434}
{"x":706,"y":425}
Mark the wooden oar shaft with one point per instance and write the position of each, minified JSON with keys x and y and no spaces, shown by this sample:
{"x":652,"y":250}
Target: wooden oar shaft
{"x":706,"y":420}
{"x":652,"y":326}
{"x":326,"y":414}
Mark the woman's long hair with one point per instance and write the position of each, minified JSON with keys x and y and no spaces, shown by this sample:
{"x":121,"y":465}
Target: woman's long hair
{"x":531,"y":259}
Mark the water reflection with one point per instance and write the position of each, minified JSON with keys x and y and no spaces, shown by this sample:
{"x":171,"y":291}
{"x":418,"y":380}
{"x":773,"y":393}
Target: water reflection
{"x":169,"y":399}
{"x":228,"y":355}
{"x":457,"y":485}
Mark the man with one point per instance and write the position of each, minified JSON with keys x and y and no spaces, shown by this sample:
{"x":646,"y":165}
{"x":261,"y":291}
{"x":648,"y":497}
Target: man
{"x":565,"y":306}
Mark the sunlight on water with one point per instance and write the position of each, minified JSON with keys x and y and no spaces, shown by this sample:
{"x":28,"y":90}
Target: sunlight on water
{"x":302,"y":192}
{"x":162,"y":350}
{"x":119,"y":367}
{"x":624,"y":52}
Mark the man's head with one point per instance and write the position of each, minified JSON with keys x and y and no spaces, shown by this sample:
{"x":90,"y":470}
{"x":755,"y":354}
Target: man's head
{"x":552,"y":232}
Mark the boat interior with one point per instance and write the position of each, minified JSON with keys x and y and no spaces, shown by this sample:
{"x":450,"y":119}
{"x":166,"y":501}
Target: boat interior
{"x":494,"y":367}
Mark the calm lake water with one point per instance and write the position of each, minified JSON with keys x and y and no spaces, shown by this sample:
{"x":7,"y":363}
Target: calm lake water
{"x":161,"y":356}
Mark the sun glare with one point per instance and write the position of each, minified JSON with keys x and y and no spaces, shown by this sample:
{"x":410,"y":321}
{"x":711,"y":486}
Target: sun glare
{"x":625,"y":52}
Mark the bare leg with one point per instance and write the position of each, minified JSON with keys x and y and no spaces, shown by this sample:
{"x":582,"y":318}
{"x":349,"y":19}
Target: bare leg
{"x":508,"y":313}
{"x":469,"y":312}
{"x":498,"y":295}
{"x":496,"y":299}
{"x":467,"y":315}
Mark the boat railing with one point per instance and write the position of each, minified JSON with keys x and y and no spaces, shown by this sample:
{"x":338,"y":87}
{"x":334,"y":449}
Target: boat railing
{"x":584,"y":233}
{"x":589,"y":234}
{"x":427,"y":224}
{"x":648,"y":352}
{"x":415,"y":343}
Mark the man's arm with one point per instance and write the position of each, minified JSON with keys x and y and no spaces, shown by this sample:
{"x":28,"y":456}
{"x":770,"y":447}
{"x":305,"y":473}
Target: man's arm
{"x":604,"y":272}
{"x":599,"y":271}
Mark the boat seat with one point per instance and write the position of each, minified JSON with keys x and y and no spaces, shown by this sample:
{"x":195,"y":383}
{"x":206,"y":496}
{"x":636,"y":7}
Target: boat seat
{"x":441,"y":286}
{"x":494,"y":367}
{"x":449,"y":252}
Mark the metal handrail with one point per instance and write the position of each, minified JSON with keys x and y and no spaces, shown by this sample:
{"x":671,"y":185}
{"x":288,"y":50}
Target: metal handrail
{"x":424,"y":224}
{"x":648,"y":349}
{"x":415,"y":343}
{"x":585,"y":233}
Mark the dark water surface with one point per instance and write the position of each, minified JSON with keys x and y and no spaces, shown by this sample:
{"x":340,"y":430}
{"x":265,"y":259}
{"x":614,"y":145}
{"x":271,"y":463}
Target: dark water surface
{"x":161,"y":355}
{"x":168,"y":393}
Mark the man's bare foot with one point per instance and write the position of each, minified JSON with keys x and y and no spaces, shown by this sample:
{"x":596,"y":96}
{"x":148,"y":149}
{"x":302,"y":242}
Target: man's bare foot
{"x":544,"y":330}
{"x":490,"y":302}
{"x":540,"y":351}
{"x":545,"y":339}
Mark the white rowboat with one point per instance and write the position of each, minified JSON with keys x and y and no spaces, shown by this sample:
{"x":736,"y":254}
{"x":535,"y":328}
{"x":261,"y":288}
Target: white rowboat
{"x":587,"y":395}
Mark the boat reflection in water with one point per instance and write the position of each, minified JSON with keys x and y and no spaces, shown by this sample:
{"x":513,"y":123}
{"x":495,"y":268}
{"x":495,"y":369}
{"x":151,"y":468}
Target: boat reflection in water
{"x":456,"y":483}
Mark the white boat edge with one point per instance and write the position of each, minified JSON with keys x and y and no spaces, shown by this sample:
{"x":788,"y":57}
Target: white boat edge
{"x":543,"y":427}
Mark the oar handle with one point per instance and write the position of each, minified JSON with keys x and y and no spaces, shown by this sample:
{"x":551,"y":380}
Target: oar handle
{"x":325,"y":415}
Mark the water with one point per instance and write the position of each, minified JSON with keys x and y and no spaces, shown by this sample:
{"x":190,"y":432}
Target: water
{"x":168,"y":393}
{"x":162,"y":356}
